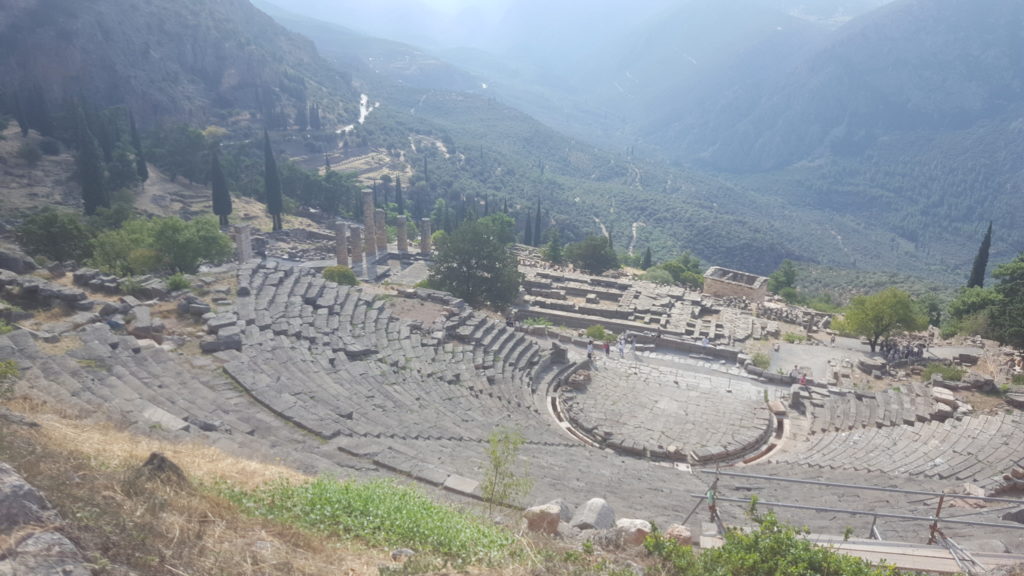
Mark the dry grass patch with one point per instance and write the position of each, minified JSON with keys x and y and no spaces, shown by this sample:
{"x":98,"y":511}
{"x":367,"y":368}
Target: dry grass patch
{"x":155,"y":527}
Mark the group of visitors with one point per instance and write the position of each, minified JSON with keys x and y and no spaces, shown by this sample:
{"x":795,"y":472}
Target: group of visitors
{"x":894,"y":351}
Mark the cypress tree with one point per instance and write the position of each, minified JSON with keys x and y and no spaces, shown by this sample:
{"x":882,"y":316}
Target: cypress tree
{"x":221,"y":196}
{"x":327,"y":163}
{"x":140,"y":159}
{"x":645,"y":262}
{"x":90,"y":167}
{"x":19,"y":115}
{"x":537,"y":226}
{"x":977,"y":278}
{"x":528,"y":235}
{"x":272,"y":183}
{"x":399,"y":200}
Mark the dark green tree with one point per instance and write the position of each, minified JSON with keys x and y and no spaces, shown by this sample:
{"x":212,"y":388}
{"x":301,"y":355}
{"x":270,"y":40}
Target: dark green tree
{"x":879,"y":315}
{"x":90,"y":167}
{"x":981,"y":261}
{"x":1007,"y":318}
{"x":221,"y":195}
{"x":399,"y":200}
{"x":59,"y":236}
{"x":783,"y":277}
{"x":141,"y":169}
{"x":538,"y":226}
{"x":272,"y":184}
{"x":646,"y":262}
{"x":594,"y":254}
{"x":528,"y":233}
{"x":476,"y":263}
{"x":553,"y":252}
{"x":20,"y":116}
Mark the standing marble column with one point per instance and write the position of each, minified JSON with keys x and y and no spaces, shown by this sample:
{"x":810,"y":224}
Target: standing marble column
{"x":370,"y":244}
{"x":355,"y":235}
{"x":243,"y":243}
{"x":381,"y":228}
{"x":403,"y":235}
{"x":425,"y":237}
{"x":341,"y":243}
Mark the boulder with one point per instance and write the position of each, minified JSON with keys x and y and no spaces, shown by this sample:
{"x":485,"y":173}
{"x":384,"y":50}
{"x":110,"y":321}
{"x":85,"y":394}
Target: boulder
{"x":1015,"y":516}
{"x":975,"y":381}
{"x":679,"y":533}
{"x":16,"y":261}
{"x":543,"y":519}
{"x":21,"y":504}
{"x":83,"y":276}
{"x":633,"y":532}
{"x":595,"y":514}
{"x":564,"y":509}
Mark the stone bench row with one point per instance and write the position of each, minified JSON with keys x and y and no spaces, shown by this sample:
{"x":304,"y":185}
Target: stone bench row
{"x":834,"y":410}
{"x":372,"y":398}
{"x":977,"y":448}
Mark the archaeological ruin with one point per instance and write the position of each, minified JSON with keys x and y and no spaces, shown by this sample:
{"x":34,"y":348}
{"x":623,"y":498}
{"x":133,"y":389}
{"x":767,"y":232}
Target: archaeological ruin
{"x":385,"y":379}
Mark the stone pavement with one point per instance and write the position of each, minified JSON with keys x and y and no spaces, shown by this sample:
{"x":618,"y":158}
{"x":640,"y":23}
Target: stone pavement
{"x":649,"y":410}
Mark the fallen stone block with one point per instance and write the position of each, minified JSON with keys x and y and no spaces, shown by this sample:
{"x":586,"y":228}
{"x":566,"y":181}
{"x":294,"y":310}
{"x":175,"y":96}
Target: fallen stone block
{"x":944,"y":396}
{"x":229,"y":338}
{"x":543,"y":519}
{"x":461,"y":484}
{"x":83,"y":276}
{"x":596,"y":514}
{"x":633,"y":532}
{"x":165,"y":420}
{"x":679,"y":533}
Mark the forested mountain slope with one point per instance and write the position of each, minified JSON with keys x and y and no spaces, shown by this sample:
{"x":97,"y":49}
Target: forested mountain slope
{"x":186,"y":60}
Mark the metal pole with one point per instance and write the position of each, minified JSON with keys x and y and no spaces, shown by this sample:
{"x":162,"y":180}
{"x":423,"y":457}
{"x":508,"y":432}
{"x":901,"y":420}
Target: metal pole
{"x":1016,"y":501}
{"x":935,"y":524}
{"x":864,"y":512}
{"x":873,"y":532}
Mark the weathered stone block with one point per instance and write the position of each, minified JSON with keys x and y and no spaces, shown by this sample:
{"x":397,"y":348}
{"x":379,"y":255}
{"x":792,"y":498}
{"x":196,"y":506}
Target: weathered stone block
{"x":595,"y":514}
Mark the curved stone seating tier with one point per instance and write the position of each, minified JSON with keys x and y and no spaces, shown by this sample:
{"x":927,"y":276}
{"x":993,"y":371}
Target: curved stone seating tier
{"x":835,"y":410}
{"x":334,"y":362}
{"x":378,"y":398}
{"x":647,"y":410}
{"x":979,"y":449}
{"x":152,"y":391}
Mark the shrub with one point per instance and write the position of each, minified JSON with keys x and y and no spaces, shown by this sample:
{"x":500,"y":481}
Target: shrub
{"x":131,"y":286}
{"x":506,"y":480}
{"x":658,"y":276}
{"x":142,"y":246}
{"x":761,"y":360}
{"x":49,"y":146}
{"x":340,"y":275}
{"x":29,"y":153}
{"x":380,"y":512}
{"x":57,"y":235}
{"x":5,"y":328}
{"x":178,"y":282}
{"x":8,"y":374}
{"x":597,"y":332}
{"x":793,"y":337}
{"x":534,"y":321}
{"x":949,"y":373}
